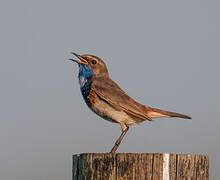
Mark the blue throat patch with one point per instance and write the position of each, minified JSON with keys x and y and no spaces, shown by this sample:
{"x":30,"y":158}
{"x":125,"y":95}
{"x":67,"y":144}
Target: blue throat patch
{"x":85,"y":75}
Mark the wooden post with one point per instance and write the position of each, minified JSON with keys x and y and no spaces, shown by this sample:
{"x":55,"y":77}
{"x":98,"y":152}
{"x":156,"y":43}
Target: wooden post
{"x":133,"y":166}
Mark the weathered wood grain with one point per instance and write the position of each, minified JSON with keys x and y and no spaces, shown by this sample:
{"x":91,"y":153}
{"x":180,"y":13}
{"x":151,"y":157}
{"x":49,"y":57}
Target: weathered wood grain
{"x":201,"y":167}
{"x":172,"y":167}
{"x":185,"y":166}
{"x":94,"y":166}
{"x":157,"y":171}
{"x":140,"y":166}
{"x":134,"y":166}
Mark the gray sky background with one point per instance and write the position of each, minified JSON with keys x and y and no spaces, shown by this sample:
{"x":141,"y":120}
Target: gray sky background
{"x":162,"y":53}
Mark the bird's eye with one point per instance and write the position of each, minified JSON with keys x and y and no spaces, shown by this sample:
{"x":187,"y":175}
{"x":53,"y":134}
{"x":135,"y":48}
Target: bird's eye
{"x":93,"y":62}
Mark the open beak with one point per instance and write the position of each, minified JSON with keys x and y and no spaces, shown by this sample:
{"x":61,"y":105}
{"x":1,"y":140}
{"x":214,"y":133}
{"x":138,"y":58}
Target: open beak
{"x":81,"y":59}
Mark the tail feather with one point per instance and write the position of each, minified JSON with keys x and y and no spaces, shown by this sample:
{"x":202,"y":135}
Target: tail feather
{"x":156,"y":113}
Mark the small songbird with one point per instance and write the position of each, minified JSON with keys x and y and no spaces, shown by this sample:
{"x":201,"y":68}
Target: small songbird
{"x":104,"y":97}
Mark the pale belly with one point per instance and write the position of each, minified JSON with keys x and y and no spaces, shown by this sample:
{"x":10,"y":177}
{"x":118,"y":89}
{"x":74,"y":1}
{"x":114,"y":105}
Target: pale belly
{"x":107,"y":112}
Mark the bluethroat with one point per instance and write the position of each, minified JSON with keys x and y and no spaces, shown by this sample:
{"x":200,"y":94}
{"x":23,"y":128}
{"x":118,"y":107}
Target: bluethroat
{"x":105,"y":98}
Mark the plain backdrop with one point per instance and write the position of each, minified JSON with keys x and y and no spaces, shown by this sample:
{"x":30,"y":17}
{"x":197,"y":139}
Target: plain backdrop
{"x":165,"y":54}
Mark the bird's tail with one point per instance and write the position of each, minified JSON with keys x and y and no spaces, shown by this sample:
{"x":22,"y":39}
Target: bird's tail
{"x":156,"y":113}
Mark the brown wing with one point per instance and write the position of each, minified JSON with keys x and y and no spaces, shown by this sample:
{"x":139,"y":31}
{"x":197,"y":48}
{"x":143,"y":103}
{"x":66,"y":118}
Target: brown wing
{"x":109,"y":91}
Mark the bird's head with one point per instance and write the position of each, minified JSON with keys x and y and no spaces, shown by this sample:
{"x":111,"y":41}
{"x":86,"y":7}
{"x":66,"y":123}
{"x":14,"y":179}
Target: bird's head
{"x":91,"y":64}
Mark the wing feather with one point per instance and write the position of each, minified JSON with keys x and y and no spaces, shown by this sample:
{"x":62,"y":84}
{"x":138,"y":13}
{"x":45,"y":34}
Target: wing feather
{"x":109,"y":91}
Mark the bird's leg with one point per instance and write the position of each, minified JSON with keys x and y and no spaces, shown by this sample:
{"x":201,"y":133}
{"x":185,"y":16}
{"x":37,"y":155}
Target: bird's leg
{"x":124,"y":129}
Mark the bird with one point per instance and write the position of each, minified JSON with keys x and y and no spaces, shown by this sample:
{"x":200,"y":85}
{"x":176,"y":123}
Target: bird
{"x":105,"y":98}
